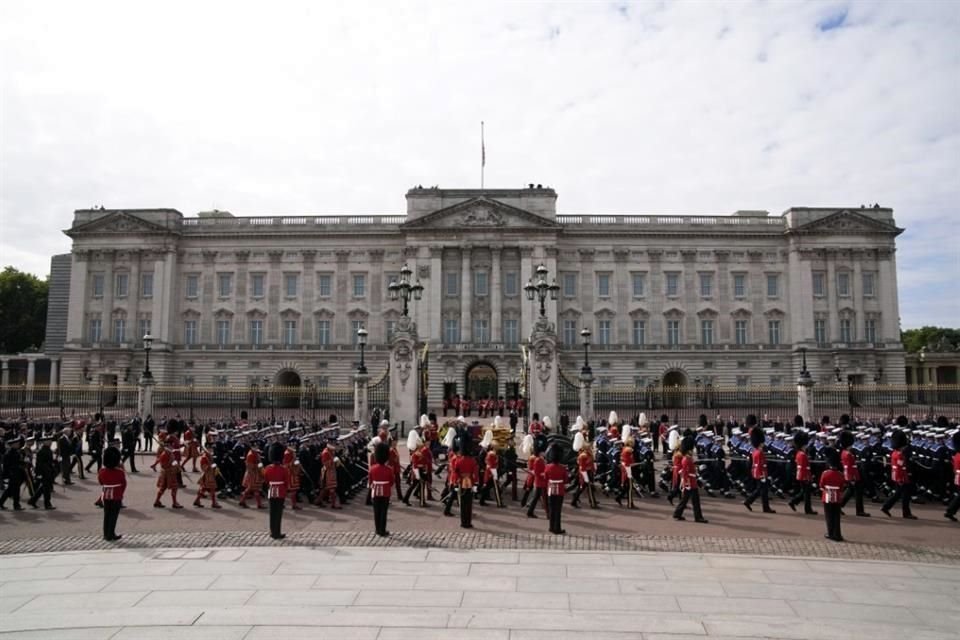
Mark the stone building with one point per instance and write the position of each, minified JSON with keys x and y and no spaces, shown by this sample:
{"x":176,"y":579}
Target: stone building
{"x":727,"y":300}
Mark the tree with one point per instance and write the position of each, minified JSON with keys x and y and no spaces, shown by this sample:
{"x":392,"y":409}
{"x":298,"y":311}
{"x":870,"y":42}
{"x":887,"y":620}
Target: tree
{"x":23,"y":311}
{"x":933,"y":338}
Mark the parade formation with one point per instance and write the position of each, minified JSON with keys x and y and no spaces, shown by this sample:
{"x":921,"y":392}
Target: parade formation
{"x":459,"y":461}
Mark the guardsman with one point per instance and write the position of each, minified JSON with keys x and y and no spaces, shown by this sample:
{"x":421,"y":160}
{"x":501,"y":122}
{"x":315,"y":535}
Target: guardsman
{"x":536,"y":427}
{"x":466,"y":477}
{"x":14,"y":472}
{"x":328,"y":474}
{"x":296,"y":472}
{"x":528,"y":447}
{"x":556,"y":478}
{"x":586,"y":468}
{"x":277,"y":479}
{"x":831,"y":486}
{"x":113,"y":482}
{"x":951,"y":512}
{"x":252,"y":479}
{"x":539,"y":480}
{"x":46,"y":472}
{"x":626,"y":472}
{"x":689,"y":490}
{"x":65,"y":453}
{"x":491,"y":480}
{"x":207,"y":481}
{"x":758,"y":470}
{"x":851,"y":474}
{"x":418,"y":470}
{"x":380,"y":479}
{"x":169,"y":472}
{"x":803,"y":476}
{"x":900,"y":476}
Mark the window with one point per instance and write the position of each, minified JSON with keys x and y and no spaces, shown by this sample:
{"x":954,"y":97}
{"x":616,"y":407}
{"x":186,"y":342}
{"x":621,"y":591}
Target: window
{"x":119,"y":330}
{"x":98,"y":285}
{"x":740,"y":331}
{"x":256,"y":285}
{"x":510,"y":284}
{"x":481,"y":283}
{"x":451,"y":331}
{"x":603,"y":332}
{"x":743,"y":381}
{"x":869,"y":285}
{"x":820,"y":331}
{"x":511,"y":331}
{"x":569,"y":285}
{"x":673,"y":332}
{"x":706,"y":285}
{"x":773,"y":285}
{"x":639,"y":285}
{"x":356,"y":325}
{"x":290,"y":283}
{"x":706,"y":332}
{"x":773,"y":331}
{"x":481,"y":331}
{"x":776,"y":381}
{"x":256,"y":332}
{"x":673,"y":284}
{"x":189,"y":332}
{"x":323,"y":332}
{"x":639,"y":332}
{"x":845,"y":332}
{"x":121,"y":284}
{"x":359,"y":285}
{"x":220,"y":381}
{"x":94,"y":332}
{"x":742,"y":364}
{"x":569,"y":333}
{"x":603,"y":285}
{"x":390,"y":326}
{"x":224,"y":284}
{"x":193,"y":285}
{"x":143,"y":328}
{"x":323,"y":285}
{"x":146,"y":285}
{"x":870,"y":330}
{"x":843,"y":284}
{"x":223,"y":332}
{"x":289,"y":332}
{"x":739,"y":285}
{"x":451,"y":283}
{"x":819,"y":284}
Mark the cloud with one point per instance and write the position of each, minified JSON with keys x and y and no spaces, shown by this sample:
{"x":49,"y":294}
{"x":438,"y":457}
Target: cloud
{"x":302,"y":107}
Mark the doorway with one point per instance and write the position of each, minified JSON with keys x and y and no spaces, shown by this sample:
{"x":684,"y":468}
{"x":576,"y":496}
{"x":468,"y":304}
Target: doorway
{"x":674,"y":384}
{"x":481,"y":381}
{"x":287,"y":394}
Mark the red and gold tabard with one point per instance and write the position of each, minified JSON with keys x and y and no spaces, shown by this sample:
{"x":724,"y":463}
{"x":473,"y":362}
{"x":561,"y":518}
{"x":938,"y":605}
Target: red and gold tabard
{"x":290,"y":463}
{"x":253,"y":476}
{"x":956,"y":468}
{"x":208,"y":475}
{"x":168,"y":471}
{"x":329,"y":463}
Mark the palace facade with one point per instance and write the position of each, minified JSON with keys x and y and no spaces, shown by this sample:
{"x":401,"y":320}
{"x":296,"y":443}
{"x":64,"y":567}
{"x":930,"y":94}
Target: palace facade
{"x":725,"y":300}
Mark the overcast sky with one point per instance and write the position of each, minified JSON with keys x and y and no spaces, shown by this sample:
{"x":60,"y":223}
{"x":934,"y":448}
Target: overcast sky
{"x":311,"y":108}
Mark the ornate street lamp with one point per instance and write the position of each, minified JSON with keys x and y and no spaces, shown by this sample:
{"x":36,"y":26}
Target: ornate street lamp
{"x":403,"y":290}
{"x":541,"y":289}
{"x":585,"y":336}
{"x":362,"y":341}
{"x":147,"y":346}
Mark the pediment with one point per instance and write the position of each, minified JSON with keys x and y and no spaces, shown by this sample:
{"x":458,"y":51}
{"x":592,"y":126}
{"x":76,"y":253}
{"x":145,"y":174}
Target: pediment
{"x":119,"y":223}
{"x":483,"y":214}
{"x":847,"y":222}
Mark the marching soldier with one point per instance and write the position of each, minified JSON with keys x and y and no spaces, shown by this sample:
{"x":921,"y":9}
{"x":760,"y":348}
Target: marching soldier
{"x":626,"y":471}
{"x":46,"y":471}
{"x":65,"y":453}
{"x":191,"y":450}
{"x":113,"y":482}
{"x":466,"y":477}
{"x":539,"y":480}
{"x":491,"y":480}
{"x":951,"y":512}
{"x":689,"y":490}
{"x":381,"y":481}
{"x":129,"y":441}
{"x":586,"y":468}
{"x":803,"y":476}
{"x":758,"y":470}
{"x":14,"y":473}
{"x":900,"y":476}
{"x":296,"y":473}
{"x":328,"y":474}
{"x":418,"y":469}
{"x":851,"y":474}
{"x":831,"y":486}
{"x":169,"y":474}
{"x":252,"y":479}
{"x":556,"y":477}
{"x":207,"y":481}
{"x":278,"y":479}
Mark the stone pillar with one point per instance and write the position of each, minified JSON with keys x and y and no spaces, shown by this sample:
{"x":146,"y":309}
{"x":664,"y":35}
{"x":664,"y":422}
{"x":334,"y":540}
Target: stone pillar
{"x":145,"y":396}
{"x":434,"y":295}
{"x":4,"y":377}
{"x":31,"y":377}
{"x":544,"y":369}
{"x":833,"y":300}
{"x":496,"y":297}
{"x":805,"y":406}
{"x":466,"y":297}
{"x":586,"y":396}
{"x":361,"y":403}
{"x":403,"y":373}
{"x":54,"y":372}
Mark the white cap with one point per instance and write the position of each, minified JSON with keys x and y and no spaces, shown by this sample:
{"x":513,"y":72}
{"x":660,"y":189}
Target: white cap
{"x":613,"y":418}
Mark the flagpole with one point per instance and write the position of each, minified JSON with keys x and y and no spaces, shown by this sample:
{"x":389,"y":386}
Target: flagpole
{"x":483,"y":155}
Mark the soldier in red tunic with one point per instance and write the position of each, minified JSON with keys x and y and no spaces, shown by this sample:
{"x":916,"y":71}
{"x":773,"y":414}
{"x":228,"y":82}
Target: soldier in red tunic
{"x":689,"y":489}
{"x":803,"y":476}
{"x":758,"y":470}
{"x":491,"y":462}
{"x":113,"y":482}
{"x":395,"y":465}
{"x":328,"y":475}
{"x":586,"y":468}
{"x":466,"y":476}
{"x":252,"y":479}
{"x":951,"y":512}
{"x":539,"y":481}
{"x":831,"y":486}
{"x":169,"y":472}
{"x":626,"y":474}
{"x":191,"y":449}
{"x":418,"y":473}
{"x":380,"y":479}
{"x":851,"y":474}
{"x":292,"y":465}
{"x":536,"y":427}
{"x":900,"y":475}
{"x":278,"y":480}
{"x":207,"y":481}
{"x":555,"y":475}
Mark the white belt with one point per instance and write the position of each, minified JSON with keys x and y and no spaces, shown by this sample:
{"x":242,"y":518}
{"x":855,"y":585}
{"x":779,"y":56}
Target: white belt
{"x":831,"y":495}
{"x":555,"y":487}
{"x":109,"y":491}
{"x":274,"y":490}
{"x":379,"y":489}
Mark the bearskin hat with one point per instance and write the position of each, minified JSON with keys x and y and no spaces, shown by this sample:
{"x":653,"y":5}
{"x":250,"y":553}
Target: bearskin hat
{"x":942,"y":422}
{"x":902,"y":421}
{"x":832,"y":457}
{"x":687,"y":444}
{"x":798,"y":420}
{"x":825,"y":420}
{"x":751,"y":420}
{"x":898,"y":439}
{"x":757,"y":436}
{"x":844,"y":420}
{"x":664,"y":418}
{"x":381,"y":453}
{"x":846,"y":439}
{"x":800,"y":439}
{"x":702,"y":420}
{"x":111,"y":458}
{"x":276,"y":453}
{"x":553,"y":454}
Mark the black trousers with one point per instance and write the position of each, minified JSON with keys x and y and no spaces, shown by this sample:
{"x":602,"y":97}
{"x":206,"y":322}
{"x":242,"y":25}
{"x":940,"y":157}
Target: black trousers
{"x":853,"y":490}
{"x":903,"y":493}
{"x":761,"y":489}
{"x":831,"y":512}
{"x":65,"y":466}
{"x":44,"y":490}
{"x":129,"y":454}
{"x":421,"y":492}
{"x":380,"y":506}
{"x":148,"y":440}
{"x":12,"y":491}
{"x":954,"y":505}
{"x":276,"y":516}
{"x":555,"y":509}
{"x":588,"y":487}
{"x":96,"y":456}
{"x":466,"y":507}
{"x":804,"y":497}
{"x":532,"y":505}
{"x":693,"y":496}
{"x":111,"y":511}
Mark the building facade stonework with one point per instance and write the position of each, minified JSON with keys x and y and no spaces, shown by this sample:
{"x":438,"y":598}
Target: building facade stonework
{"x":723,"y":300}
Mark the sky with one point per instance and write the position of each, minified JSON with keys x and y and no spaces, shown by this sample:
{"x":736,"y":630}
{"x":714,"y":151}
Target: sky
{"x":327,"y":108}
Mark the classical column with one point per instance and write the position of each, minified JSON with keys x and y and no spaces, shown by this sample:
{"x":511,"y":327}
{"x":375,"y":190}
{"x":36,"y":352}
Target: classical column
{"x":496,"y":297}
{"x":307,"y":293}
{"x":165,"y":329}
{"x":887,"y":296}
{"x":341,"y":295}
{"x":133,"y":299}
{"x":857,"y":291}
{"x":466,"y":297}
{"x":833,"y":301}
{"x":54,"y":372}
{"x":435,"y":296}
{"x":106,"y":329}
{"x":79,"y":297}
{"x":145,"y":396}
{"x":544,"y":369}
{"x":240,"y":297}
{"x":31,"y":376}
{"x":526,"y":307}
{"x":361,"y":404}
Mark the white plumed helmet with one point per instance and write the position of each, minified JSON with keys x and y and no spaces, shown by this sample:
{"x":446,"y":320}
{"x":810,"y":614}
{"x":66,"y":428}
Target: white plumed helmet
{"x":578,"y":423}
{"x":644,"y":420}
{"x":373,"y":443}
{"x":424,"y":421}
{"x":497,"y":422}
{"x":487,"y":440}
{"x":385,"y":424}
{"x":613,"y":419}
{"x":448,"y":439}
{"x":414,"y":440}
{"x":626,"y":433}
{"x":526,"y":447}
{"x":673,"y":441}
{"x":547,"y":424}
{"x":578,"y":441}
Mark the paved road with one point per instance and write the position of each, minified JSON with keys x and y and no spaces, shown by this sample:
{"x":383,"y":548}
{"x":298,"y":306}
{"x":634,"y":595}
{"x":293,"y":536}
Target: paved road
{"x":420,"y":594}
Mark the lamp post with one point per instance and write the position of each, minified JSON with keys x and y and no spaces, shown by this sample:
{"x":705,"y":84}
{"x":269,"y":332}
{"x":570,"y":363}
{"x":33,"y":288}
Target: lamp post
{"x":920,"y":382}
{"x":696,"y":386}
{"x":404,"y":290}
{"x":541,"y":289}
{"x":147,"y":346}
{"x":836,"y":373}
{"x":585,"y":336}
{"x":362,"y":341}
{"x":877,"y":379}
{"x":269,"y":396}
{"x":312,"y":392}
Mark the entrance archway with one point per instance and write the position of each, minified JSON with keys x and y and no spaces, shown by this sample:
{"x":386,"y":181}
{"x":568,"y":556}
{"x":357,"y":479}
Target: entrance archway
{"x":287,"y":395}
{"x":481,"y":381}
{"x":674,"y":383}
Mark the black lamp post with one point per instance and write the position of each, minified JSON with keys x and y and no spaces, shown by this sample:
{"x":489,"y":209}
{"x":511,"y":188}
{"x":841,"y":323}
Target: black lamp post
{"x":362,"y":341}
{"x":541,"y":289}
{"x":403,"y":290}
{"x":836,"y":373}
{"x":585,"y":336}
{"x":147,"y":346}
{"x":877,"y":379}
{"x":804,"y":373}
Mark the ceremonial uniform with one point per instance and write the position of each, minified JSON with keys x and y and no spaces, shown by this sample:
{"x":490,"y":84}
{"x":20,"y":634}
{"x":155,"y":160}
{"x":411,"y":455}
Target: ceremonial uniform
{"x":293,"y":467}
{"x":902,"y":488}
{"x":252,"y":479}
{"x":396,"y":466}
{"x":169,"y":469}
{"x":46,"y":471}
{"x":328,"y":475}
{"x":113,"y":483}
{"x":586,"y":467}
{"x":758,"y":471}
{"x":851,"y":476}
{"x":466,"y":477}
{"x":418,"y":473}
{"x":14,"y":472}
{"x":954,"y":505}
{"x":381,"y":482}
{"x":626,"y":476}
{"x":804,"y":478}
{"x":207,"y":481}
{"x":191,"y":448}
{"x":539,"y":485}
{"x":689,"y":489}
{"x":831,"y":486}
{"x":278,"y":479}
{"x":556,"y":478}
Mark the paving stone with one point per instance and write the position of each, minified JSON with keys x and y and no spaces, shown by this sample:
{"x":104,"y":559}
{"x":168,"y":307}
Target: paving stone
{"x":319,"y":597}
{"x":445,"y":634}
{"x":196,"y":598}
{"x":359,"y":583}
{"x":566,"y":585}
{"x":12,"y":603}
{"x":162,"y":583}
{"x":371,"y":597}
{"x":517,"y":570}
{"x":256,"y":583}
{"x":865,"y":613}
{"x":192,"y":568}
{"x":183,"y":633}
{"x":914,"y":600}
{"x":667,"y":587}
{"x":925,"y":585}
{"x":478,"y":556}
{"x":793,"y":629}
{"x":898,"y":570}
{"x":615,"y":571}
{"x":778,"y":591}
{"x":19,"y":562}
{"x":313,"y":633}
{"x":766,"y":606}
{"x":341,"y":567}
{"x":951,"y":574}
{"x":585,"y":622}
{"x":466,"y":583}
{"x":94,"y":633}
{"x":37,"y":573}
{"x":328,"y":616}
{"x":770,"y":564}
{"x":571,"y":558}
{"x":511,"y":600}
{"x":91,"y":601}
{"x":701,"y":574}
{"x":106,"y":570}
{"x":41,"y":587}
{"x":394,"y":554}
{"x":633,"y":602}
{"x":78,"y":619}
{"x":390,"y":568}
{"x":531,"y":634}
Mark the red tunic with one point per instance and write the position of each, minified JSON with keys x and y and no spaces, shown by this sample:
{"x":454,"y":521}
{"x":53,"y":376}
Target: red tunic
{"x":208,"y":477}
{"x":803,"y":466}
{"x":956,"y":468}
{"x":278,"y":479}
{"x":539,"y":480}
{"x":418,"y":466}
{"x":832,"y":484}
{"x":626,"y":463}
{"x":168,"y":471}
{"x":688,"y":473}
{"x":328,"y":460}
{"x":290,"y":462}
{"x":851,"y":473}
{"x":556,"y":477}
{"x":531,"y":473}
{"x":466,"y":473}
{"x":536,"y":428}
{"x":113,"y":483}
{"x":759,"y":468}
{"x":427,"y":460}
{"x":451,"y":460}
{"x":585,"y":465}
{"x":395,"y":461}
{"x":381,"y":480}
{"x":191,"y":446}
{"x":253,"y":476}
{"x":490,"y":460}
{"x":898,"y":467}
{"x":677,"y":462}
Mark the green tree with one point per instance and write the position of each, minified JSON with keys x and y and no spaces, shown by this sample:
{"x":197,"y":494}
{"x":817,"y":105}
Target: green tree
{"x":930,"y":337}
{"x":23,"y":311}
